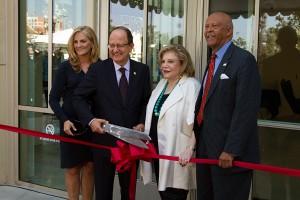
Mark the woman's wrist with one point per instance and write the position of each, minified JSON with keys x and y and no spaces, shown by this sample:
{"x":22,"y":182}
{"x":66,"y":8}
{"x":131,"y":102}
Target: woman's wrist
{"x":191,"y":147}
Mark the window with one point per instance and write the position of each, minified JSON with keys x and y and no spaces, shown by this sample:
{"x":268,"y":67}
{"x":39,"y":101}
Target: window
{"x":279,"y":60}
{"x":129,"y":15}
{"x":166,"y":25}
{"x":279,"y":147}
{"x":43,"y":38}
{"x":242,"y":14}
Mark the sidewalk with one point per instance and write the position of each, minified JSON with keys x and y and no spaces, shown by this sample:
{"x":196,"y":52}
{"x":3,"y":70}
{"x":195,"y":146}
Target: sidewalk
{"x":14,"y":192}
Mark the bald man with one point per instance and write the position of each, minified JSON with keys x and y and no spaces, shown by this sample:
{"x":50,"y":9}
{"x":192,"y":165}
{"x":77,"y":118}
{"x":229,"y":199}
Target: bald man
{"x":227,"y":129}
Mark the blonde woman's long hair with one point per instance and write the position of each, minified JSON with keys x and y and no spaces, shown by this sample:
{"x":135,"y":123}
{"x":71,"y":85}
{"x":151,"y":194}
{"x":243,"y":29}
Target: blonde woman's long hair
{"x":94,"y":55}
{"x":184,"y":57}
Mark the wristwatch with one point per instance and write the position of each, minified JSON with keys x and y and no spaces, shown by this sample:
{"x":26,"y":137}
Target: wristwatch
{"x":191,"y":147}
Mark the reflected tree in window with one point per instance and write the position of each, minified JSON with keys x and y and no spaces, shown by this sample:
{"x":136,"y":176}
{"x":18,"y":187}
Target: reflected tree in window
{"x":279,"y":60}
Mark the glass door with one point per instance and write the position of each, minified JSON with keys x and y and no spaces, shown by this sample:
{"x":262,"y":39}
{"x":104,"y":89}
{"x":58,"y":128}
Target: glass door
{"x":279,"y":62}
{"x":166,"y":25}
{"x":44,"y":30}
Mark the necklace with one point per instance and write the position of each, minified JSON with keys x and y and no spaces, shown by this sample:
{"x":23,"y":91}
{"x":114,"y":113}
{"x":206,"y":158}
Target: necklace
{"x":156,"y":111}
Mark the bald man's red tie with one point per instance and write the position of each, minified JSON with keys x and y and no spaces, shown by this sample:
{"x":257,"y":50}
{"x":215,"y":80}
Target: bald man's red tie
{"x":210,"y":73}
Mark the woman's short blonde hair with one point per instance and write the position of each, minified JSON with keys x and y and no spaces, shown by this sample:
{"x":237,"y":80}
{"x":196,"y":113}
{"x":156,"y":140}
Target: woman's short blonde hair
{"x":94,"y":55}
{"x":184,"y":57}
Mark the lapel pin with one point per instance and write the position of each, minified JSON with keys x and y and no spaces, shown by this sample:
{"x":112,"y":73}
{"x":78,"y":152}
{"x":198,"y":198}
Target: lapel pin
{"x":134,"y":73}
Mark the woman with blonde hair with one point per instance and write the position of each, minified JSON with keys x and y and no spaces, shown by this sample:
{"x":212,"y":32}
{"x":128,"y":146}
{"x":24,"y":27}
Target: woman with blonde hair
{"x":77,"y":159}
{"x":169,"y":121}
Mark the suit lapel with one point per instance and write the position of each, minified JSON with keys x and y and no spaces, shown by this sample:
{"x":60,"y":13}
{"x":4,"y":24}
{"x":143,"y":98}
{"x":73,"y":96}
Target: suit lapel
{"x":175,"y":96}
{"x":111,"y":74}
{"x":133,"y":74}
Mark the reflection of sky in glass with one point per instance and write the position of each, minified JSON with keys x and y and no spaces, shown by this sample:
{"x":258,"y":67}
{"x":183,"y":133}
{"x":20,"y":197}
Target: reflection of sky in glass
{"x":133,"y":18}
{"x":126,"y":16}
{"x":70,"y":12}
{"x":271,"y":20}
{"x":166,"y":24}
{"x":35,"y":8}
{"x":241,"y":31}
{"x":243,"y":28}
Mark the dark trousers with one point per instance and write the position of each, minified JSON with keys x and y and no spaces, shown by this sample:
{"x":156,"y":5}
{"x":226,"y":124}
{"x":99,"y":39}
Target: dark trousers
{"x":169,"y":193}
{"x":212,"y":185}
{"x":104,"y":179}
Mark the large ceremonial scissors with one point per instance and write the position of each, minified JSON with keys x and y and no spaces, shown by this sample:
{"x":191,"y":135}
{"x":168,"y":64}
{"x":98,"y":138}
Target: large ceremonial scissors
{"x":130,"y":136}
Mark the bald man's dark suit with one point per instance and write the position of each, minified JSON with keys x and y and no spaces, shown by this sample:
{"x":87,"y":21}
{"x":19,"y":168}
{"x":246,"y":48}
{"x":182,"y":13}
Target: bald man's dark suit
{"x":230,"y":116}
{"x":101,"y":86}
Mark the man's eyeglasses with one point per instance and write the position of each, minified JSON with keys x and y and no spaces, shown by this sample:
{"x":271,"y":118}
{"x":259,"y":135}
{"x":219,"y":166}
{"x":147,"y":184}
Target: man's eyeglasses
{"x":112,"y":46}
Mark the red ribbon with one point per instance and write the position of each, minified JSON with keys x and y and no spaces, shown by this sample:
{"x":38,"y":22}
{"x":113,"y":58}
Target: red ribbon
{"x":125,"y":156}
{"x":45,"y":135}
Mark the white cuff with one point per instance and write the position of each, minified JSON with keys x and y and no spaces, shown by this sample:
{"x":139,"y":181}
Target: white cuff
{"x":91,"y":121}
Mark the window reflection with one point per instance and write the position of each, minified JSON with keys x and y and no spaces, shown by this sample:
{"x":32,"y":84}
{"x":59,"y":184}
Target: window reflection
{"x":31,"y":53}
{"x":34,"y":55}
{"x":166,"y":22}
{"x":279,"y":60}
{"x":242,"y":13}
{"x":39,"y":158}
{"x":130,"y":15}
{"x":280,"y":148}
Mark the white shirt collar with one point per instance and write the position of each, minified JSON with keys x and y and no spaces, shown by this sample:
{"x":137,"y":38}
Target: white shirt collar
{"x":126,"y":66}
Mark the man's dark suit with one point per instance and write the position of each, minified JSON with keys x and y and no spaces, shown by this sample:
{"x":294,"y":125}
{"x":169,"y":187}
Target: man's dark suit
{"x":230,"y":114}
{"x":100,"y":84}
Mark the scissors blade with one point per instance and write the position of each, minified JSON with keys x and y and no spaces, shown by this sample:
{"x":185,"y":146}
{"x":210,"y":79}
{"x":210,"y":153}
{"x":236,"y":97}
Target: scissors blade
{"x":128,"y":135}
{"x":124,"y":132}
{"x":135,"y":142}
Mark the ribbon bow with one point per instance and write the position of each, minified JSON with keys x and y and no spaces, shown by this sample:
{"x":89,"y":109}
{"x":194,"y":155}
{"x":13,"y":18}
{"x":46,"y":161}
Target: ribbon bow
{"x":125,"y":156}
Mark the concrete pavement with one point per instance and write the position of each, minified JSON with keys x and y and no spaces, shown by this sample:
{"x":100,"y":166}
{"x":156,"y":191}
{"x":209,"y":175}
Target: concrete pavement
{"x":13,"y":192}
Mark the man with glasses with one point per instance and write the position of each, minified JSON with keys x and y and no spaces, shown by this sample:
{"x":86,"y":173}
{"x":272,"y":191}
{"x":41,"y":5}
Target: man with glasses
{"x":119,"y":89}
